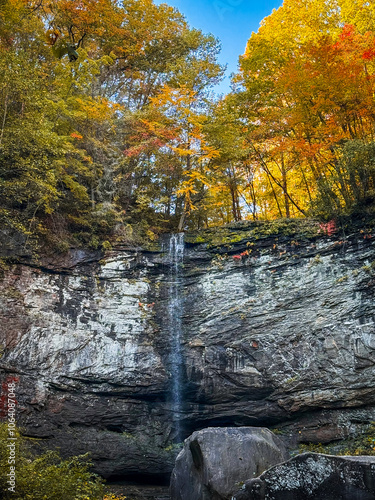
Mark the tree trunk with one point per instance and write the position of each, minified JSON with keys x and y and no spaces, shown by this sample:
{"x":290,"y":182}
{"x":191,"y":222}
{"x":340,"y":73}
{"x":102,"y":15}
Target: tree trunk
{"x":182,"y":220}
{"x":4,"y":118}
{"x":274,"y":193}
{"x":285,"y":187}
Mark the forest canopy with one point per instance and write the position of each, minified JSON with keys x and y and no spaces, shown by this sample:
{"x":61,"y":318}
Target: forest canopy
{"x":109,"y":126}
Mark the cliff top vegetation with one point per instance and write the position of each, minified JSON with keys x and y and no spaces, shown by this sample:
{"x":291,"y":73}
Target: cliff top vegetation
{"x":109,"y":130}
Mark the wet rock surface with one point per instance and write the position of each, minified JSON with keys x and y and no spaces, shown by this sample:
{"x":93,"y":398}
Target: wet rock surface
{"x":215,"y":461}
{"x":277,"y":331}
{"x":314,"y":476}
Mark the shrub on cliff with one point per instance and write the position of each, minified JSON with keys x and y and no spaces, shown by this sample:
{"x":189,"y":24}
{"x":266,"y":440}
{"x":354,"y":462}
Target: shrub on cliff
{"x":46,"y":477}
{"x":359,"y":445}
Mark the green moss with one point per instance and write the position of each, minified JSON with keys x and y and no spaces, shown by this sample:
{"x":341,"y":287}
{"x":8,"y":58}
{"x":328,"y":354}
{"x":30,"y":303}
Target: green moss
{"x":250,"y":231}
{"x":278,"y":432}
{"x":106,"y":245}
{"x":175,"y":447}
{"x":317,"y":260}
{"x":342,"y":279}
{"x":362,"y":444}
{"x":199,"y":239}
{"x":11,"y":292}
{"x":291,"y":380}
{"x":4,"y":264}
{"x":315,"y":448}
{"x":367,"y":268}
{"x":128,"y":435}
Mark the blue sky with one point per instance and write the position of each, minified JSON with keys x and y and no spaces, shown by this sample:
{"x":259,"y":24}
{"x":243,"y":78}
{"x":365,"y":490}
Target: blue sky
{"x":232,"y":21}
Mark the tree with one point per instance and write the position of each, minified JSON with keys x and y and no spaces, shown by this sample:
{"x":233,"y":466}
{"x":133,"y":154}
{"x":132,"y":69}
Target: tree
{"x":77,"y":79}
{"x":306,"y":88}
{"x":171,"y":128}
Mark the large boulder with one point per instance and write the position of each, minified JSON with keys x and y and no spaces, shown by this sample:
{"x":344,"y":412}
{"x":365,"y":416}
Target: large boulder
{"x":314,"y":476}
{"x":215,"y":461}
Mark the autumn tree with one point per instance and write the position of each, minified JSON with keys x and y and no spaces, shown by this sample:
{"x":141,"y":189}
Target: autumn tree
{"x":170,"y":132}
{"x":108,"y":120}
{"x":306,"y":90}
{"x":77,"y":80}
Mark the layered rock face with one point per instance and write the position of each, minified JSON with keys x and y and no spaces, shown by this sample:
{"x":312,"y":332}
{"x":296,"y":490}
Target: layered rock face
{"x":275,"y":331}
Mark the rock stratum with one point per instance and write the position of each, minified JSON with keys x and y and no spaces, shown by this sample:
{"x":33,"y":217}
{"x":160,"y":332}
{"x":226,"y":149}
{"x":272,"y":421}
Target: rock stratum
{"x":276,"y":330}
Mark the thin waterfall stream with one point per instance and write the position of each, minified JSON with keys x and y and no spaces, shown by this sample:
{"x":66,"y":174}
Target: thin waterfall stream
{"x":174,"y":320}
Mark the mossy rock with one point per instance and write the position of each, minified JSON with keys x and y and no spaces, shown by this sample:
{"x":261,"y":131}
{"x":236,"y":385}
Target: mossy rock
{"x":361,"y":444}
{"x":235,"y":233}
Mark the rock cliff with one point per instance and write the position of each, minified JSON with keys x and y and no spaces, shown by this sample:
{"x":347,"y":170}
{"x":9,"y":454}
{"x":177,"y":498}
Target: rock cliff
{"x":276,"y":330}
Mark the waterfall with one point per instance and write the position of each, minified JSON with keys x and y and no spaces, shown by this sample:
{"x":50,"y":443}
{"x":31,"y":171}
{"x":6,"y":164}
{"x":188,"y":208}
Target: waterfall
{"x":174,"y":322}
